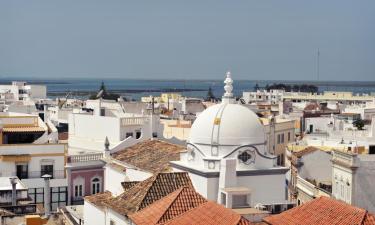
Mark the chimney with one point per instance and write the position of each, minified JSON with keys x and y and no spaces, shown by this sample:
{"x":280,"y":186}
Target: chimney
{"x":98,"y":109}
{"x":372,"y":129}
{"x":13,"y":181}
{"x":47,"y":195}
{"x":228,"y":177}
{"x":107,"y":152}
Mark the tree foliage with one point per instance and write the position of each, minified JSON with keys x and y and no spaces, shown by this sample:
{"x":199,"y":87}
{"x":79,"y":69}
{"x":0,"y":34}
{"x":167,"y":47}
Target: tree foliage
{"x":359,"y":124}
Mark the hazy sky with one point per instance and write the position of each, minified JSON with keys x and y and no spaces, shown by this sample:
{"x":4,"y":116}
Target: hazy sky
{"x":194,"y":39}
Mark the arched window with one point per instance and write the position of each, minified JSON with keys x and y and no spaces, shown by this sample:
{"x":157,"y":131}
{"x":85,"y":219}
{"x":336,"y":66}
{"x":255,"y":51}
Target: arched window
{"x":95,"y":185}
{"x":79,"y":188}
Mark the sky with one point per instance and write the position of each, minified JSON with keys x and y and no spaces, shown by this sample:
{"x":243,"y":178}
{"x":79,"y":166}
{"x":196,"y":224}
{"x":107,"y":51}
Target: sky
{"x":256,"y":40}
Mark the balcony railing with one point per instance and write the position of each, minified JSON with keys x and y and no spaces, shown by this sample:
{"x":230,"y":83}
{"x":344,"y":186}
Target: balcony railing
{"x":85,"y":157}
{"x":21,"y":209}
{"x":306,"y":186}
{"x":56,"y":174}
{"x":127,"y":121}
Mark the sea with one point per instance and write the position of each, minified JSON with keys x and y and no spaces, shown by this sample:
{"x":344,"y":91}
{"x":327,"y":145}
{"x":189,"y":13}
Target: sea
{"x":134,"y":89}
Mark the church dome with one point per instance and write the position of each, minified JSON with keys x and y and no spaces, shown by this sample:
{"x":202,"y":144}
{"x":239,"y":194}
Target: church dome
{"x":227,"y":123}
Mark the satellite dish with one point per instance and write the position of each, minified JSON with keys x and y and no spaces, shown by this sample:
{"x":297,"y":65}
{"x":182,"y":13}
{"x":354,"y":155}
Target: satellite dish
{"x":100,"y":94}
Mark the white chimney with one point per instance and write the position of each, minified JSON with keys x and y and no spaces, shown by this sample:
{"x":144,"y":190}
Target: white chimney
{"x":227,"y":177}
{"x":107,"y":152}
{"x":98,"y":108}
{"x":372,"y":131}
{"x":47,"y":195}
{"x":13,"y":181}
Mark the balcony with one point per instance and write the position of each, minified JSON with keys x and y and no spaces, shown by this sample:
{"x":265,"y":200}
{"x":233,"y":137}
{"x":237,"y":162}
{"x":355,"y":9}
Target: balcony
{"x":85,"y":157}
{"x":21,"y":209}
{"x":56,"y":174}
{"x":306,"y":187}
{"x":129,"y":121}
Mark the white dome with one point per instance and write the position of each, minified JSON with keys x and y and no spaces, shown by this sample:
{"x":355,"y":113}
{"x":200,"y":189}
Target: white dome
{"x":227,"y":124}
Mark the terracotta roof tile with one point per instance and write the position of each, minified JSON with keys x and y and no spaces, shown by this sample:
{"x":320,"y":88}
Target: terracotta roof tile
{"x":209,"y":213}
{"x":167,"y":208}
{"x":322,"y":211}
{"x":150,"y":155}
{"x":126,"y":185}
{"x":148,"y":191}
{"x":100,"y":199}
{"x":369,"y":219}
{"x":305,"y":151}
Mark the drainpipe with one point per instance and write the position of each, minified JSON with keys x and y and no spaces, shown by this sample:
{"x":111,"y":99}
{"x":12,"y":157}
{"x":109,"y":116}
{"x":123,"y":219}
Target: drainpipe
{"x":13,"y":181}
{"x":47,"y":195}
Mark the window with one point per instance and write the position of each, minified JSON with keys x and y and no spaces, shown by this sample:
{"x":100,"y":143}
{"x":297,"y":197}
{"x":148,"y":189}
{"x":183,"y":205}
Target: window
{"x":239,"y":201}
{"x":154,"y":134}
{"x":46,"y":169}
{"x":282,"y":138}
{"x":278,"y":139}
{"x":59,"y":197}
{"x":288,"y":136}
{"x":247,"y":157}
{"x":129,"y":134}
{"x":78,"y":191}
{"x":95,"y":185}
{"x":22,"y":171}
{"x":138,"y":134}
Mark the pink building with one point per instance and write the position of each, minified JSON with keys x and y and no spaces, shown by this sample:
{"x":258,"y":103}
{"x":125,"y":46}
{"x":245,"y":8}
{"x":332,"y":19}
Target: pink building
{"x":85,"y":174}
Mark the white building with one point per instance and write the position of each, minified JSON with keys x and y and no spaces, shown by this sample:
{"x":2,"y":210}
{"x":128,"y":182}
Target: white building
{"x":88,"y":131}
{"x":367,"y":111}
{"x":353,"y":179}
{"x":227,"y":157}
{"x":21,"y":91}
{"x":263,"y":96}
{"x":6,"y":189}
{"x":29,"y":150}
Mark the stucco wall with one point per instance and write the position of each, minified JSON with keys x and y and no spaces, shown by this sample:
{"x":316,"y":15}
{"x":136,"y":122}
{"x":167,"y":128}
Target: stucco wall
{"x":87,"y":175}
{"x":113,"y":179}
{"x":316,"y":165}
{"x":93,"y":215}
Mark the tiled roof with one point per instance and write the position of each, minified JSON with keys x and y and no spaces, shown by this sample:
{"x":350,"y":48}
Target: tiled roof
{"x":148,"y":191}
{"x":312,"y":106}
{"x":305,"y":151}
{"x":23,"y":129}
{"x":369,"y":219}
{"x":100,"y":199}
{"x":209,"y":213}
{"x":322,"y":211}
{"x":150,"y":155}
{"x":126,"y":185}
{"x":167,"y":208}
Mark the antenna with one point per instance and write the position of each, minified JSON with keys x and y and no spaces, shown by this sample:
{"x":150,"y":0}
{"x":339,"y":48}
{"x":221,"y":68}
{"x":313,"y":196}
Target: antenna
{"x":317,"y":69}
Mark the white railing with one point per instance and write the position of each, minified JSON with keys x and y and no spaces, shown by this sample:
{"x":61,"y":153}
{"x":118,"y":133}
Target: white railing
{"x":343,"y":157}
{"x":126,"y":121}
{"x":16,"y":120}
{"x":85,"y":157}
{"x":306,"y":186}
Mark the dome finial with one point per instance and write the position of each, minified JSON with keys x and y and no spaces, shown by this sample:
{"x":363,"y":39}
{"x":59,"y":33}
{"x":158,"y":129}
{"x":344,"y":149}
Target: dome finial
{"x":228,"y":85}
